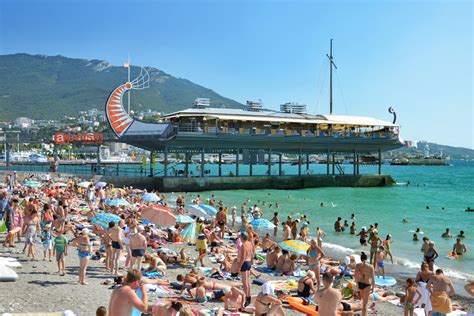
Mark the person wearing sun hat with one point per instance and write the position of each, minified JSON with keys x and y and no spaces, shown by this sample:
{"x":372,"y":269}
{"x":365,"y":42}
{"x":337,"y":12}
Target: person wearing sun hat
{"x":84,"y":250}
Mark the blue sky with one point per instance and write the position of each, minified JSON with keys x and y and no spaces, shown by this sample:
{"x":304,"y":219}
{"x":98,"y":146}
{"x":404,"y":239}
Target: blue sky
{"x":413,"y":55}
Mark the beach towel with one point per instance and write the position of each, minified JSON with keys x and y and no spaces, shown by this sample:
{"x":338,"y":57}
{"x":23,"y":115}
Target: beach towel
{"x":259,"y":281}
{"x":265,"y":270}
{"x":425,"y":296}
{"x":441,"y":302}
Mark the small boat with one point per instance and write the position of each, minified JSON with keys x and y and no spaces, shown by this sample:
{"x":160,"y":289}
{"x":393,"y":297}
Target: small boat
{"x":469,"y":209}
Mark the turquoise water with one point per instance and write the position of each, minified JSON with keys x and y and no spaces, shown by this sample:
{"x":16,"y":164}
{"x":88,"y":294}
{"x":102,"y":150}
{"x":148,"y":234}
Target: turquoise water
{"x":451,"y":187}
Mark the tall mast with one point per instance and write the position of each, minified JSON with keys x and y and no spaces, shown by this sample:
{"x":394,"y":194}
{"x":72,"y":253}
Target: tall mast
{"x":331,"y":64}
{"x":129,"y":66}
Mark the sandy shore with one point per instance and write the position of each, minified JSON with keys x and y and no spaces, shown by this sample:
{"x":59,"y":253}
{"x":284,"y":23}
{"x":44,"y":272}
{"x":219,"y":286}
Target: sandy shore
{"x":40,"y":289}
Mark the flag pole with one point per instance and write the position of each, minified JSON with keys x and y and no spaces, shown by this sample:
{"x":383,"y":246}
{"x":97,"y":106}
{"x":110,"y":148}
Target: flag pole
{"x":129,"y":81}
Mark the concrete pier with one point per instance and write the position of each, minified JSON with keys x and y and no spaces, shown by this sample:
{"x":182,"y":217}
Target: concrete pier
{"x":172,"y":184}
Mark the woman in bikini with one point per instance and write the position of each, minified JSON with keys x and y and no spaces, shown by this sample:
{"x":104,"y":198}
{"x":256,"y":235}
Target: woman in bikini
{"x":431,"y":254}
{"x":84,"y":249}
{"x":365,"y":278}
{"x":315,"y":254}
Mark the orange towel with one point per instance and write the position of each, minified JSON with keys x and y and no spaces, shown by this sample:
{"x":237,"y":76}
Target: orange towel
{"x":441,"y":302}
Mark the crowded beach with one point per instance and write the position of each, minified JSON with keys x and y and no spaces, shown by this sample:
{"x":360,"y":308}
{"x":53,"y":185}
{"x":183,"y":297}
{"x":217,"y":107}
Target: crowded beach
{"x":80,"y":247}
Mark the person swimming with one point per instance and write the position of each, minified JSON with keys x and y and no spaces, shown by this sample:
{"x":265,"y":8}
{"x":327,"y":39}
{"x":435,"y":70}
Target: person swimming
{"x":415,"y":237}
{"x":405,"y":220}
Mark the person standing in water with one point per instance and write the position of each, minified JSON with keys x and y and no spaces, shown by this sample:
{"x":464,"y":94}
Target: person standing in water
{"x":386,"y":243}
{"x":375,"y":242}
{"x":459,"y":248}
{"x":365,"y":277}
{"x":276,"y":221}
{"x":431,"y":254}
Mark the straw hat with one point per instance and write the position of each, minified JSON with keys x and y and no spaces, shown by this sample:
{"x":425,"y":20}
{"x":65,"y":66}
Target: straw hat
{"x":85,"y":231}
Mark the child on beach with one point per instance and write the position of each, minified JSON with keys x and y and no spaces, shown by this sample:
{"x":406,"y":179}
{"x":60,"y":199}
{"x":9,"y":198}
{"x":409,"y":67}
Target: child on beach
{"x":410,"y":292}
{"x":46,"y":240}
{"x":380,"y":263}
{"x":60,"y":248}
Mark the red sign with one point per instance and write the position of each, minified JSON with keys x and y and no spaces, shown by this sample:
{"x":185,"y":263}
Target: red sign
{"x":85,"y":138}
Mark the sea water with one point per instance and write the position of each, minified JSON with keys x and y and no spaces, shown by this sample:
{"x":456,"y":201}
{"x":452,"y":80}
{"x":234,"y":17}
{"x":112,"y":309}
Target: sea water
{"x":431,"y":198}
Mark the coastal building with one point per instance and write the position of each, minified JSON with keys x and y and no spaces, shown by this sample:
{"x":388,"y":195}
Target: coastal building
{"x":23,"y":122}
{"x":201,"y":103}
{"x":293,"y":108}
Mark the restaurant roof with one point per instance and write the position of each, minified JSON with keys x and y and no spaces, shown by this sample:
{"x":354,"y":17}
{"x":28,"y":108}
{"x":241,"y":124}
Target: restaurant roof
{"x":274,"y":116}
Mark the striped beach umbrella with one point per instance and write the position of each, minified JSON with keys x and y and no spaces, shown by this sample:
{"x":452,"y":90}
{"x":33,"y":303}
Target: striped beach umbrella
{"x":84,"y":184}
{"x":293,"y":245}
{"x":32,"y":184}
{"x":261,"y":223}
{"x":117,"y":202}
{"x":103,"y":219}
{"x":159,"y":215}
{"x":189,"y":233}
{"x":100,"y":184}
{"x":197,"y":211}
{"x":150,"y":197}
{"x":184,"y":219}
{"x":210,"y":210}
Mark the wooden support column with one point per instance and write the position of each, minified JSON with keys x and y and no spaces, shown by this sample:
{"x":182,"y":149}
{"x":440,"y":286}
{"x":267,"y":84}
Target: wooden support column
{"x":250,"y":163}
{"x":165,"y":163}
{"x":327,"y":161}
{"x":333,"y":164}
{"x":7,"y":154}
{"x":299,"y":163}
{"x":220,"y":164}
{"x":98,"y":157}
{"x":186,"y":165}
{"x":202,"y":162}
{"x":269,"y":162}
{"x":279,"y":164}
{"x":380,"y":161}
{"x":237,"y":153}
{"x":354,"y":162}
{"x":152,"y":164}
{"x":307,"y":163}
{"x":358,"y":163}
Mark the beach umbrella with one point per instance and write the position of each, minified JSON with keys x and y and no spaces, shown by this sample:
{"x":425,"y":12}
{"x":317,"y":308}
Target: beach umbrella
{"x":103,"y":219}
{"x":84,"y":184}
{"x":159,"y":215}
{"x":188,"y":234}
{"x":100,"y":184}
{"x":184,"y":219}
{"x":261,"y":223}
{"x":210,"y":210}
{"x":293,"y":245}
{"x":32,"y":184}
{"x":150,"y":197}
{"x":117,"y":202}
{"x":197,"y":211}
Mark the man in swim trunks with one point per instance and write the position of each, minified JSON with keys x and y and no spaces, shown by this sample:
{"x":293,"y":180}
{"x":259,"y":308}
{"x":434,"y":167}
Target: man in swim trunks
{"x":117,"y":245}
{"x":189,"y":281}
{"x":221,"y":220}
{"x":246,"y":254}
{"x":380,"y":259}
{"x":459,"y":248}
{"x":365,"y":278}
{"x":328,"y":299}
{"x":446,"y":234}
{"x":138,"y":246}
{"x":124,"y":298}
{"x":441,"y":289}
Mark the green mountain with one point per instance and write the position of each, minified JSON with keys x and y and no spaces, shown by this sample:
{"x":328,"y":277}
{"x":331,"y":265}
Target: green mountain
{"x":49,"y":87}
